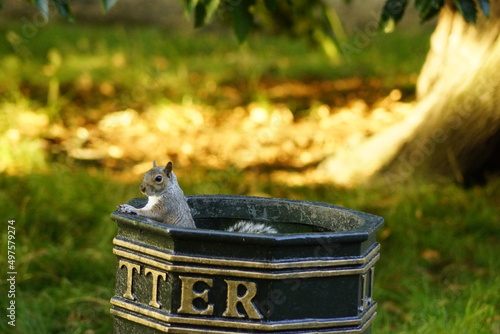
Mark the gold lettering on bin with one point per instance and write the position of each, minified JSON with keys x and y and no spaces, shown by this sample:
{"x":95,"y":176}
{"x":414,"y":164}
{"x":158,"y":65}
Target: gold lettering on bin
{"x":246,"y":300}
{"x":188,"y":295}
{"x":154,"y":293}
{"x":130,"y":272}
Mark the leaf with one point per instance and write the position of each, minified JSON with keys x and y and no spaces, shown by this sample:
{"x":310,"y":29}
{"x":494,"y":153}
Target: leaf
{"x":43,"y":5}
{"x":242,"y":19}
{"x":333,"y":20}
{"x":200,"y":13}
{"x":468,"y":10}
{"x":428,"y":8}
{"x":328,"y":45}
{"x":108,"y":4}
{"x":334,"y":34}
{"x":271,"y":5}
{"x":211,"y":7}
{"x":64,"y":9}
{"x":485,"y":7}
{"x":189,"y":6}
{"x":421,"y":4}
{"x":392,"y":11}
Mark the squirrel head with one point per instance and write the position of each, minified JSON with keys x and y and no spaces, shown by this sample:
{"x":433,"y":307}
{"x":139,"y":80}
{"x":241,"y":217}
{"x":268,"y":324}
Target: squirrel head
{"x":157,"y":180}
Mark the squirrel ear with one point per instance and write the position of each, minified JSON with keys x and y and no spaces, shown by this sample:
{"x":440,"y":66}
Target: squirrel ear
{"x":154,"y":163}
{"x":168,"y":169}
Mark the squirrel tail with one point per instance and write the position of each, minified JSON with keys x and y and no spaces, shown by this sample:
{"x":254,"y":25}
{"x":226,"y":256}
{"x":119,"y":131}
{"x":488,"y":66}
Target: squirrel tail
{"x":245,"y":226}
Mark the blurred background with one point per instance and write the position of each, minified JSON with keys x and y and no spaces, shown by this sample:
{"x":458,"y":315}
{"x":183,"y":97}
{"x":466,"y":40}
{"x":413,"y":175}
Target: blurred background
{"x":86,"y":106}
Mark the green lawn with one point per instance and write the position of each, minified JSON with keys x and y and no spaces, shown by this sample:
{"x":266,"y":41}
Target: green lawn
{"x":137,"y":66}
{"x":438,"y":272}
{"x":439,"y":266}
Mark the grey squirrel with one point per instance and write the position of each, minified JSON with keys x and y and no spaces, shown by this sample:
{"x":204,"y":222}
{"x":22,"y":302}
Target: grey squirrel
{"x":167,"y":203}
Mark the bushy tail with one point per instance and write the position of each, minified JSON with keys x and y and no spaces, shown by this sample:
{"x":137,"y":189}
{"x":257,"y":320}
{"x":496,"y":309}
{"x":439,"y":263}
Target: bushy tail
{"x":246,"y":226}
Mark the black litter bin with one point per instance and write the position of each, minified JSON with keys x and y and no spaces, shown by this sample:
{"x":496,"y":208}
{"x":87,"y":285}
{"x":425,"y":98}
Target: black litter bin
{"x":314,"y":276}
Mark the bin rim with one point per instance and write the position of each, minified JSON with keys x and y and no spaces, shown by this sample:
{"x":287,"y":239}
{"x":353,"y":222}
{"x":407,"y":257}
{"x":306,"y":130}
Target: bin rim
{"x":371,"y":224}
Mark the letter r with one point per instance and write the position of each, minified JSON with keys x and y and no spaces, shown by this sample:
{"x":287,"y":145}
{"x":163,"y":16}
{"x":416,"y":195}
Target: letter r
{"x":246,"y":300}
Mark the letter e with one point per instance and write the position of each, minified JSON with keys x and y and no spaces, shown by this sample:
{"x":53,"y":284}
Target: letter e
{"x":188,"y":295}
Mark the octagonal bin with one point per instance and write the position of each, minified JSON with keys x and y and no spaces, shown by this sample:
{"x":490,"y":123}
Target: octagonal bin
{"x":314,"y":276}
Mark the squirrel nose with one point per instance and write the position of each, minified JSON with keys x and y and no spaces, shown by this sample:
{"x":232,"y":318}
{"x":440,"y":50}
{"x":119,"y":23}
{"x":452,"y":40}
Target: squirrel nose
{"x":142,"y":189}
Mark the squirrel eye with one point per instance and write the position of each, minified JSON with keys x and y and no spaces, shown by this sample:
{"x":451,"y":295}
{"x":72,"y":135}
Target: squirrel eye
{"x":158,"y":178}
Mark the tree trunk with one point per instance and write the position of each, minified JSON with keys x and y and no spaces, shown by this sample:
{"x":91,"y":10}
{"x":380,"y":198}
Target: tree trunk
{"x":455,"y":128}
{"x":460,"y":81}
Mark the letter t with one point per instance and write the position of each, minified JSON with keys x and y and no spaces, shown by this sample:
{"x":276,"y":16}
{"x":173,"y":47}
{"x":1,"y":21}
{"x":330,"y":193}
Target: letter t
{"x":154,"y":294}
{"x":130,"y":272}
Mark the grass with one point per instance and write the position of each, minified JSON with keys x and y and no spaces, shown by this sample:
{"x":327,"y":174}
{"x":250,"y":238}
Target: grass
{"x":139,"y":62}
{"x":439,"y":267}
{"x":438,"y":272}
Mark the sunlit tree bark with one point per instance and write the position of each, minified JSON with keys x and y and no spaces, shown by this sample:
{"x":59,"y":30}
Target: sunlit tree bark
{"x":454,"y":130}
{"x":459,"y":86}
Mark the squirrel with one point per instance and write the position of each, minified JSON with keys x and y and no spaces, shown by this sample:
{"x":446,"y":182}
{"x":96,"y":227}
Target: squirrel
{"x":166,"y":200}
{"x":167,"y":203}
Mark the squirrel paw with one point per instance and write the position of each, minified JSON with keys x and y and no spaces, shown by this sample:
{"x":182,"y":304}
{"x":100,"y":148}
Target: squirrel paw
{"x":126,"y":208}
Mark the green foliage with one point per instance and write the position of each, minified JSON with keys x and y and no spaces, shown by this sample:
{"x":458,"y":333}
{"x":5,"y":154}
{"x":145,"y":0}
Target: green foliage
{"x":203,"y":10}
{"x":392,"y":12}
{"x":43,"y":5}
{"x":242,"y":19}
{"x":62,"y":6}
{"x":428,"y":9}
{"x":314,"y":20}
{"x":485,"y":7}
{"x":177,"y":66}
{"x":468,"y":9}
{"x":108,"y":4}
{"x":64,"y":9}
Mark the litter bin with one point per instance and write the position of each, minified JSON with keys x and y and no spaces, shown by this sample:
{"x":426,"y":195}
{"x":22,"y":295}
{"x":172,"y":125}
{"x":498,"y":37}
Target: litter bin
{"x":314,"y":276}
